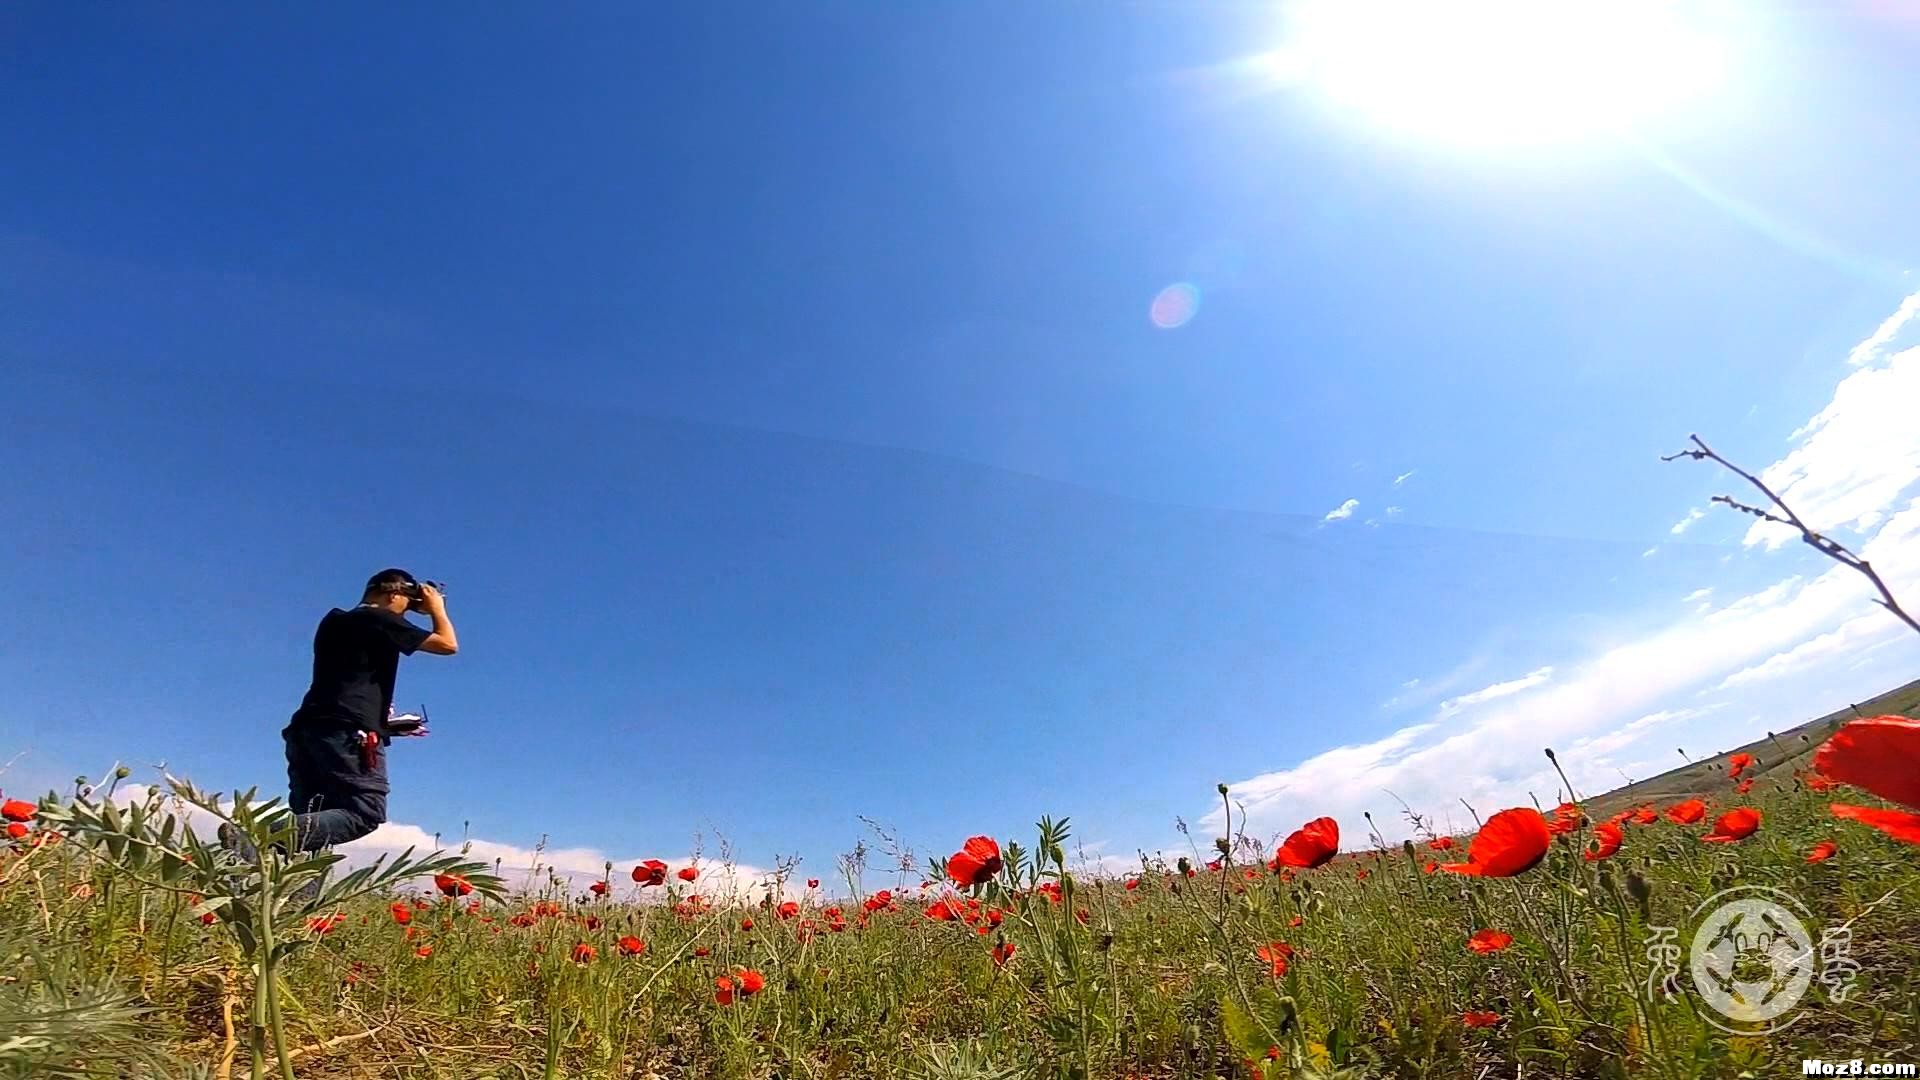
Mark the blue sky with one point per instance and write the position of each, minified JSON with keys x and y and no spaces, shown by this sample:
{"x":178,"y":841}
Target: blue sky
{"x":777,"y":391}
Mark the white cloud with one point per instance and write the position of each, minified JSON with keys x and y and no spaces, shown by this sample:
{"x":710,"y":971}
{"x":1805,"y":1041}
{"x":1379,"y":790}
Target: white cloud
{"x":1869,"y":350}
{"x":1498,"y":690}
{"x":1687,"y":522}
{"x":1854,"y":458}
{"x":1606,"y":743}
{"x":1393,"y":511}
{"x":1403,"y":478}
{"x":1650,"y":552}
{"x":1853,"y":464}
{"x":1854,"y":636}
{"x":1343,"y":511}
{"x":576,"y":868}
{"x":1093,"y":860}
{"x":1698,"y":595}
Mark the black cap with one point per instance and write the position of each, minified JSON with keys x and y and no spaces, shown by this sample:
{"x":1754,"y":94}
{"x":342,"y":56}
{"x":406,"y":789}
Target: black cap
{"x":393,"y":579}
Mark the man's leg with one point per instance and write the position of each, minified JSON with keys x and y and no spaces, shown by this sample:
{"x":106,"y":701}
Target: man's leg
{"x":348,"y":815}
{"x":336,"y":792}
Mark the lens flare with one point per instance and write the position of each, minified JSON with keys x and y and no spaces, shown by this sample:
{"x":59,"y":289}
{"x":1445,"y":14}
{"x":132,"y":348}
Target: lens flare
{"x":1175,"y":306}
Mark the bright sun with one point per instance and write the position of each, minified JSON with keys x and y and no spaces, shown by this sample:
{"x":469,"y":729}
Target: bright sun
{"x":1501,"y":71}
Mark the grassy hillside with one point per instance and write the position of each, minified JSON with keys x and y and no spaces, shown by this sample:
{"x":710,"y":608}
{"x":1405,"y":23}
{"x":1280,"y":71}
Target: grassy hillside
{"x":1775,"y":756}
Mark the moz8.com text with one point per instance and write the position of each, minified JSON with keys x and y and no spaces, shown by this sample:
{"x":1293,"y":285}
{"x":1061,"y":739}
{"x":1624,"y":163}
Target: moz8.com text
{"x":1856,"y":1067}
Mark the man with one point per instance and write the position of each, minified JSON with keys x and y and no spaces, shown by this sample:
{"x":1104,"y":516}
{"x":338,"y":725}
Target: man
{"x":337,"y":739}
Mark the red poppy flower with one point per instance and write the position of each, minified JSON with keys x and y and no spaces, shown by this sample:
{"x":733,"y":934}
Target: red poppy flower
{"x":590,"y":922}
{"x":17,"y":810}
{"x":1646,"y":815}
{"x":1133,"y":883}
{"x":651,"y":872}
{"x":1736,"y":824}
{"x":687,"y":873}
{"x":1511,"y":842}
{"x":976,"y":863}
{"x":1607,"y":837}
{"x":701,"y":950}
{"x":194,"y":899}
{"x":1821,"y":784}
{"x":878,"y":900}
{"x":1002,"y":953}
{"x":598,"y":888}
{"x":423,"y":951}
{"x":1311,"y":845}
{"x":402,"y":914}
{"x":1899,"y":824}
{"x":1430,"y":867}
{"x":1566,"y":818}
{"x":1480,"y":1019}
{"x":789,"y":909}
{"x":1687,"y":813}
{"x":1822,"y":851}
{"x":746,"y":924}
{"x":17,"y":831}
{"x":1882,"y":755}
{"x":584,"y":953}
{"x":751,"y":981}
{"x":631,"y":946}
{"x":1737,"y":764}
{"x":942,"y":911}
{"x":1276,"y":955}
{"x":1081,"y":915}
{"x":1441,"y":843}
{"x":813,"y":883}
{"x":452,"y":884}
{"x":1489,"y":941}
{"x":325,"y":924}
{"x":723,"y":990}
{"x":1295,"y":921}
{"x":1743,"y":786}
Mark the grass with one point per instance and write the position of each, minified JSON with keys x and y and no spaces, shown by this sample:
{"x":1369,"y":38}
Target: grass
{"x":115,"y":972}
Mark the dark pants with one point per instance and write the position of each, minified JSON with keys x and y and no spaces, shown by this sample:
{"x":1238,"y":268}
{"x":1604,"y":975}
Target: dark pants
{"x":337,"y":789}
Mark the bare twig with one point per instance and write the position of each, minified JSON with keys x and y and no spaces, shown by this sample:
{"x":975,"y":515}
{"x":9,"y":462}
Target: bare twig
{"x":1825,"y":545}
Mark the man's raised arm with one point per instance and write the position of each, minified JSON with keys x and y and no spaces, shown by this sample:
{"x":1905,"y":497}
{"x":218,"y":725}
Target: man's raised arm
{"x":443,"y":641}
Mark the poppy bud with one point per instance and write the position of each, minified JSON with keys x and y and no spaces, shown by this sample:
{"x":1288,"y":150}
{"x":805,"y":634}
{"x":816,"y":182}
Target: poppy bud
{"x":1223,"y":789}
{"x":1550,"y":756}
{"x":1407,"y":846}
{"x":1220,"y":845}
{"x":122,"y":773}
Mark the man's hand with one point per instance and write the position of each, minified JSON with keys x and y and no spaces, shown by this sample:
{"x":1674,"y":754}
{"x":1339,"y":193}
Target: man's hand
{"x":406,"y":725}
{"x":442,"y":641}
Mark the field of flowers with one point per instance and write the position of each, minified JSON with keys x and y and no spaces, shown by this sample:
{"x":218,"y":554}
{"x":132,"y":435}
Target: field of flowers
{"x":135,"y":947}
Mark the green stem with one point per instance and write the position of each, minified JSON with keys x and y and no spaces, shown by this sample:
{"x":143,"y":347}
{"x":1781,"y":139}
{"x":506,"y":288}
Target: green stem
{"x":273,"y":1018}
{"x":257,"y":1027}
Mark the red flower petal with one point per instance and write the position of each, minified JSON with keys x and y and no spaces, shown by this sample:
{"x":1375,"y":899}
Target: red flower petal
{"x":1311,"y":845}
{"x":1880,"y":754}
{"x":1736,"y":824}
{"x":1511,"y":842}
{"x":1899,"y":824}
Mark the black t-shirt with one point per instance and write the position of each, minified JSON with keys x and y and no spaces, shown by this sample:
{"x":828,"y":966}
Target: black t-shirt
{"x":355,"y":657}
